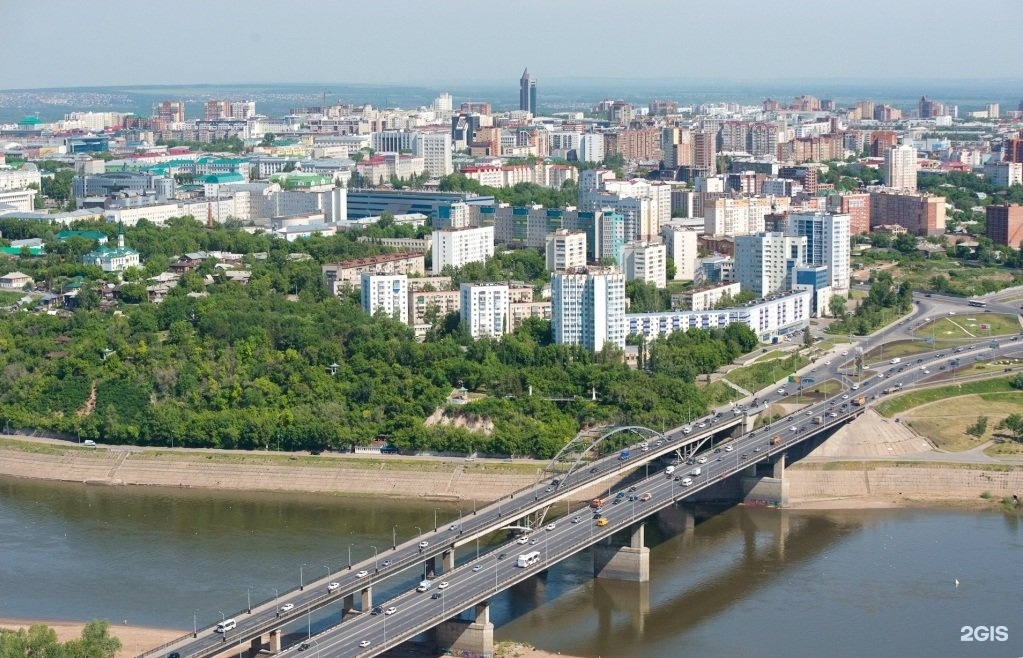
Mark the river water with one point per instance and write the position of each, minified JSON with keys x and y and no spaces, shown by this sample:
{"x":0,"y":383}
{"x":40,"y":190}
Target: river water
{"x":745,"y":582}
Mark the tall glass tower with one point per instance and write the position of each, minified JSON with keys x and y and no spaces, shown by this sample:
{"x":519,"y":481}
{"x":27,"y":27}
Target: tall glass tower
{"x":527,"y":92}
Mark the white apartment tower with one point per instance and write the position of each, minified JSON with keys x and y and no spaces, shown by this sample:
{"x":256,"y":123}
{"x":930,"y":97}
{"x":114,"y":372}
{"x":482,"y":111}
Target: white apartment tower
{"x":457,"y":247}
{"x":764,"y":262}
{"x":435,"y":150}
{"x":387,"y":293}
{"x":681,"y":244}
{"x":565,"y":250}
{"x":484,"y":309}
{"x":827,"y":243}
{"x":645,"y":261}
{"x":900,"y":167}
{"x":588,"y":308}
{"x":443,"y":104}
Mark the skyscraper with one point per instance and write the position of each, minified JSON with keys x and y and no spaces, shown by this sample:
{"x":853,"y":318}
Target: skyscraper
{"x":588,"y":308}
{"x":527,"y":92}
{"x":900,"y":167}
{"x":827,"y":243}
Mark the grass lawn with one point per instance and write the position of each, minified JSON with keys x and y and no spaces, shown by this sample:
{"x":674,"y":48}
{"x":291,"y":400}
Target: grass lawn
{"x":970,"y":326}
{"x":719,"y":393}
{"x":905,"y":401}
{"x":765,"y":372}
{"x":946,"y":423}
{"x":8,"y":297}
{"x":905,"y":348}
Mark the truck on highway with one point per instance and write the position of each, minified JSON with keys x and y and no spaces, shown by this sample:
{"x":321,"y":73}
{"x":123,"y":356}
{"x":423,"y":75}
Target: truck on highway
{"x":597,"y":502}
{"x":860,"y":401}
{"x":775,"y":440}
{"x":528,"y":560}
{"x":818,"y":420}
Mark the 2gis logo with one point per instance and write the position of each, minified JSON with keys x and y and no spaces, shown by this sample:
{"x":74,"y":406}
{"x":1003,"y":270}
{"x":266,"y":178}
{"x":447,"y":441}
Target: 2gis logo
{"x":983,"y":634}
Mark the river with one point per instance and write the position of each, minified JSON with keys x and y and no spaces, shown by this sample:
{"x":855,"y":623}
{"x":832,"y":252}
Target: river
{"x":746,"y":582}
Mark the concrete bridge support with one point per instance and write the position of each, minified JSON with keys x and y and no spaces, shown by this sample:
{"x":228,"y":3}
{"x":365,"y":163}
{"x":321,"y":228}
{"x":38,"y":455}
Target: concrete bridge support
{"x":366,"y":599}
{"x":767,"y":490}
{"x":275,"y":641}
{"x":255,"y":646}
{"x":347,"y":604}
{"x":475,"y":637}
{"x":631,"y":562}
{"x":449,"y":560}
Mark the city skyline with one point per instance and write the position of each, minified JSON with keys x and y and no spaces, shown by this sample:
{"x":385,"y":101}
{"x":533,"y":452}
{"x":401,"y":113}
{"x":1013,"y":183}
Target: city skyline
{"x":694,"y":42}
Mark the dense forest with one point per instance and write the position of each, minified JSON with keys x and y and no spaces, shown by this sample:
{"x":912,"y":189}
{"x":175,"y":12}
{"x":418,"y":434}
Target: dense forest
{"x":228,"y":365}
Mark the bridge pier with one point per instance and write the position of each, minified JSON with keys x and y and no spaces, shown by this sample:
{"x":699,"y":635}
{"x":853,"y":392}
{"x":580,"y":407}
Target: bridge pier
{"x":366,"y":599}
{"x":449,"y":560}
{"x":767,"y":490}
{"x":255,"y":646}
{"x":474,"y":637}
{"x":347,"y":604}
{"x":275,"y":640}
{"x":630,"y":562}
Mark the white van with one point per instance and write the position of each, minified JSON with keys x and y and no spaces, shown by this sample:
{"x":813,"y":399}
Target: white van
{"x":696,"y":471}
{"x":226,"y":625}
{"x":669,"y":470}
{"x":425,"y":585}
{"x":895,"y":360}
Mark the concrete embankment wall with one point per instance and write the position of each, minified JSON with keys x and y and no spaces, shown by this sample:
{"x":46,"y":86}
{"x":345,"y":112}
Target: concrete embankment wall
{"x":456,"y":479}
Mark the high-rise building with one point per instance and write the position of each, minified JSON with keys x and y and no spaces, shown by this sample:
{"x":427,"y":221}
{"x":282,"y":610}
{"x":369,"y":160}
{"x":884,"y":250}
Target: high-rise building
{"x":458,"y":247}
{"x":566,"y":250}
{"x":442,"y":104}
{"x":857,"y":206}
{"x":588,"y":308}
{"x":215,"y":109}
{"x":1005,"y":224}
{"x":387,"y":293}
{"x":681,"y":246}
{"x":1012,"y":148}
{"x":527,"y":93}
{"x":705,"y":150}
{"x":645,"y":261}
{"x":170,"y":111}
{"x":919,"y":214}
{"x":435,"y":150}
{"x":827,"y":243}
{"x":484,"y":309}
{"x":764,"y":262}
{"x":900,"y":168}
{"x":881,"y":141}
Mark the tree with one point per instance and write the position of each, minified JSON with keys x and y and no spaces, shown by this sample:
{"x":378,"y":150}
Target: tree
{"x":40,"y":641}
{"x":807,"y":337}
{"x":268,"y":139}
{"x":1014,"y":424}
{"x":978,"y":428}
{"x":837,"y":306}
{"x":1017,"y":381}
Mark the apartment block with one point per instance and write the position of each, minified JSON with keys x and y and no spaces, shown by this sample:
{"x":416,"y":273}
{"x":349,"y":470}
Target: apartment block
{"x":920,"y":214}
{"x":854,"y":204}
{"x":483,"y":309}
{"x":764,"y":262}
{"x":386,"y":293}
{"x":827,"y":243}
{"x":342,"y":276}
{"x":778,"y":315}
{"x":588,"y":308}
{"x":1005,"y":225}
{"x":705,"y":298}
{"x":645,"y":261}
{"x":681,"y":247}
{"x":565,"y":250}
{"x":458,"y":247}
{"x":899,"y":171}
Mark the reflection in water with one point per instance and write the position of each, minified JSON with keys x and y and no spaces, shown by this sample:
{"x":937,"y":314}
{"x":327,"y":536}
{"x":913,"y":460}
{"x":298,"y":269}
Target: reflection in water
{"x":745,"y":581}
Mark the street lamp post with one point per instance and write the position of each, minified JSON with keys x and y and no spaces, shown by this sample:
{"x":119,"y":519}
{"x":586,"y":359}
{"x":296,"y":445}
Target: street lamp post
{"x":277,"y":601}
{"x":394,"y":537}
{"x":301,"y":577}
{"x":223,"y":617}
{"x":195,"y":624}
{"x":420,"y":533}
{"x":374,"y":558}
{"x":328,"y":572}
{"x":435,"y":519}
{"x":248,"y":598}
{"x":349,"y":557}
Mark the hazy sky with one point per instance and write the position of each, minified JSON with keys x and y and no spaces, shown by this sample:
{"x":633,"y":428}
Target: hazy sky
{"x":66,"y":43}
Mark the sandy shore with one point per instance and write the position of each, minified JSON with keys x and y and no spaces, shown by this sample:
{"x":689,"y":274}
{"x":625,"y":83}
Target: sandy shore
{"x":134,"y":639}
{"x":137,"y":639}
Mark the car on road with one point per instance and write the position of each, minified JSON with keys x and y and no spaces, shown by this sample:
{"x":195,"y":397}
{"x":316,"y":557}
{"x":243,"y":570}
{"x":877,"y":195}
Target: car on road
{"x":436,"y":595}
{"x":477,"y":567}
{"x":391,"y":610}
{"x":548,"y":489}
{"x":602,"y":521}
{"x":846,"y":353}
{"x":781,"y":391}
{"x":523,"y":540}
{"x":364,"y":644}
{"x":89,"y":443}
{"x":452,"y":527}
{"x":686,"y":481}
{"x":576,"y":519}
{"x":377,"y":610}
{"x":362,"y":574}
{"x":286,"y":607}
{"x":423,"y":544}
{"x":855,"y":387}
{"x":333,"y":586}
{"x":501,"y":556}
{"x":809,"y":413}
{"x":385,"y":563}
{"x":729,"y":448}
{"x":303,"y":646}
{"x":845,"y":397}
{"x":701,"y":460}
{"x":174,"y":654}
{"x":550,"y":526}
{"x":793,"y":429}
{"x":701,"y":425}
{"x":443,"y":584}
{"x":534,"y":541}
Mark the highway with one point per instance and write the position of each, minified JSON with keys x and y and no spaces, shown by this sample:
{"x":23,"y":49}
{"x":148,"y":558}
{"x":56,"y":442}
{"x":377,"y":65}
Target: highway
{"x":476,"y":581}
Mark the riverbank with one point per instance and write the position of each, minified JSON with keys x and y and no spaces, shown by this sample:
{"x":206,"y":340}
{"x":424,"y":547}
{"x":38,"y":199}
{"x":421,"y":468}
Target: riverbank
{"x":138,"y":639}
{"x":823,"y":482}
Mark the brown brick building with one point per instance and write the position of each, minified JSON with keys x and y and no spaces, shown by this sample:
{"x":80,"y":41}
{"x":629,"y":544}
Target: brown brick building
{"x":1005,"y":225}
{"x":921,"y":214}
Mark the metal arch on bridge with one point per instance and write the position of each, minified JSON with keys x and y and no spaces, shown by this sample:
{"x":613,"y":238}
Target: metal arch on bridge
{"x":584,"y":444}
